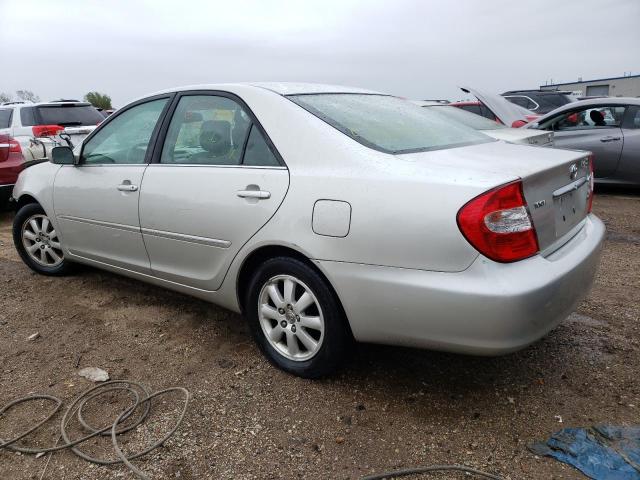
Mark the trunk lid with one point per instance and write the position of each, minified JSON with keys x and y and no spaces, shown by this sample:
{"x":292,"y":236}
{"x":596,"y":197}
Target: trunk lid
{"x":519,"y":135}
{"x":556,"y":183}
{"x":508,"y":113}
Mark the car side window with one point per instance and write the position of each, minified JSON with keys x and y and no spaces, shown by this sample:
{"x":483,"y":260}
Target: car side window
{"x":594,"y":117}
{"x":5,"y":117}
{"x":632,"y":118}
{"x":125,"y":139}
{"x":206,"y":130}
{"x":257,"y":152}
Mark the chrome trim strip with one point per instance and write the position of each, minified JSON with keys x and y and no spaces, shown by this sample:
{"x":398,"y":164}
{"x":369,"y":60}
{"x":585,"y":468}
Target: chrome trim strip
{"x":5,"y":145}
{"x":100,"y":223}
{"x":4,"y":185}
{"x":572,"y":186}
{"x":212,"y":242}
{"x":257,"y":167}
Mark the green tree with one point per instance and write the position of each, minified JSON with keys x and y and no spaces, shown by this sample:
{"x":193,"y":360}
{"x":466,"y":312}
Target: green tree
{"x":5,"y":97}
{"x":99,"y":100}
{"x":27,"y":96}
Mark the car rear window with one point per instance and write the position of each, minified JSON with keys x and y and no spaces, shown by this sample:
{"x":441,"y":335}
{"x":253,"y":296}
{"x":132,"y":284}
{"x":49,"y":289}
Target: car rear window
{"x":388,"y":124}
{"x":5,"y":118}
{"x":551,"y":101}
{"x":68,"y":115}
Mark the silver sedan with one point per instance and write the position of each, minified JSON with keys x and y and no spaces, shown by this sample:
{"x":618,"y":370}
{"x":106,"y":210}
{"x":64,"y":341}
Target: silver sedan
{"x":325,"y":215}
{"x":608,"y":127}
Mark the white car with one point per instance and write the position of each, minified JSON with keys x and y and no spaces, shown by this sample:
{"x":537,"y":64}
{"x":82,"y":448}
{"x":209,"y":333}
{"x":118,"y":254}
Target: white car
{"x":325,"y":214}
{"x":489,"y":127}
{"x":38,"y":127}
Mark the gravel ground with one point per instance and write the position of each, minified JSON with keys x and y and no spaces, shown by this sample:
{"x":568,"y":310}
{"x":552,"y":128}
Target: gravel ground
{"x":390,"y":408}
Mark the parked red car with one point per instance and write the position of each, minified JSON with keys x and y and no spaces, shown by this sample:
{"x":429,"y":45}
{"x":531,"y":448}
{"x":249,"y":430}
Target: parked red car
{"x":11,"y":164}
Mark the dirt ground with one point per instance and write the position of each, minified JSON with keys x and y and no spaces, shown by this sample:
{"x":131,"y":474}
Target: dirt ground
{"x":390,"y":408}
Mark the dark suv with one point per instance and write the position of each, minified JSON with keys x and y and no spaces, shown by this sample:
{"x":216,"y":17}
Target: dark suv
{"x":539,"y":101}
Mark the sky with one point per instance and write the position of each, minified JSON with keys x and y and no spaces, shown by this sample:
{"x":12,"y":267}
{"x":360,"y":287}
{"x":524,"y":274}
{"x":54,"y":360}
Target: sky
{"x":412,"y":48}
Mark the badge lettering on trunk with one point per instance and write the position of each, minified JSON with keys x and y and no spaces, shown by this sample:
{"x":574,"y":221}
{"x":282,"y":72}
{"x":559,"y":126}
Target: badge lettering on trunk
{"x":540,"y":203}
{"x":573,"y":171}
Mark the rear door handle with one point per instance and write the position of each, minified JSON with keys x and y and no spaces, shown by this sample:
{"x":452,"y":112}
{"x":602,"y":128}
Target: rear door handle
{"x":609,"y":138}
{"x":259,"y":194}
{"x":127,"y":187}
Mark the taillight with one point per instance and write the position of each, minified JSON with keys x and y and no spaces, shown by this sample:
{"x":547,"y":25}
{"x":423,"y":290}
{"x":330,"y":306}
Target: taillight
{"x":498,"y":225}
{"x":591,"y":184}
{"x":8,"y":145}
{"x":46,"y":130}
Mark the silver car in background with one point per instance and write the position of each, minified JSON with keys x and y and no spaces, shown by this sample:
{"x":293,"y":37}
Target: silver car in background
{"x":608,"y":127}
{"x":489,"y":127}
{"x":326,"y":215}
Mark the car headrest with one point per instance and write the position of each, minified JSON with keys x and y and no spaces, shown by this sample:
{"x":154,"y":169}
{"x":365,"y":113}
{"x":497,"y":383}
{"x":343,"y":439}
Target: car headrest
{"x":215,"y":136}
{"x":597,"y":117}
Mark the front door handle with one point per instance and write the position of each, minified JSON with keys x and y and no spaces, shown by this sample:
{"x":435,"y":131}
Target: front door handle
{"x":609,"y":138}
{"x":259,"y":194}
{"x":127,"y":187}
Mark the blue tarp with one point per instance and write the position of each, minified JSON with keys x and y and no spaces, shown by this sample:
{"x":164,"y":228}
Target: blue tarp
{"x":602,"y":452}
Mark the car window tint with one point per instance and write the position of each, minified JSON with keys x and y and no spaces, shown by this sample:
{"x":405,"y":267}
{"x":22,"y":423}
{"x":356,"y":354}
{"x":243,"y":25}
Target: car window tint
{"x":522,"y":101}
{"x":591,"y":117}
{"x":472,"y":108}
{"x":27,"y":117}
{"x":125,"y":139}
{"x":633,"y":117}
{"x":258,"y":152}
{"x":388,"y":124}
{"x":69,"y":115}
{"x":206,"y":130}
{"x":5,"y":118}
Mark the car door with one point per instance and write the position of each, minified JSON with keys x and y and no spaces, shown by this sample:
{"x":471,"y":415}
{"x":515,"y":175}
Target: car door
{"x":577,"y":129}
{"x":629,"y":166}
{"x":96,"y":201}
{"x":214,"y":184}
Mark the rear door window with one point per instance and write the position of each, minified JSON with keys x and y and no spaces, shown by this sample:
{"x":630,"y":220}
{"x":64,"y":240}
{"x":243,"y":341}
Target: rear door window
{"x":206,"y":130}
{"x":5,"y":117}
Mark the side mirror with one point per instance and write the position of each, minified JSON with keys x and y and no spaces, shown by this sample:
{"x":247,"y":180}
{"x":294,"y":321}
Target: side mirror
{"x":62,"y":156}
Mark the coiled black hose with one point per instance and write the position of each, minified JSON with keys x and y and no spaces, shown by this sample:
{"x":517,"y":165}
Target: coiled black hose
{"x":142,"y":398}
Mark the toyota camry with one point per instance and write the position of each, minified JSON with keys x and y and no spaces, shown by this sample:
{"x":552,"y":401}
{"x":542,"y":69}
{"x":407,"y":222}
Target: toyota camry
{"x":326,"y":215}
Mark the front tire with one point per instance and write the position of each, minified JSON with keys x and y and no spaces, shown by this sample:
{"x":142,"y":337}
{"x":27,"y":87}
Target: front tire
{"x":296,"y":319}
{"x":37,"y":241}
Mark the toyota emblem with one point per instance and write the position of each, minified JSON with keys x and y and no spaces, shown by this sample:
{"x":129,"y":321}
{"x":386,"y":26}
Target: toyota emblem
{"x":573,"y":171}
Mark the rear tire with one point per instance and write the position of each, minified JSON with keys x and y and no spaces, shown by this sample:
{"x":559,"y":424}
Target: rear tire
{"x":37,"y":241}
{"x":296,"y":319}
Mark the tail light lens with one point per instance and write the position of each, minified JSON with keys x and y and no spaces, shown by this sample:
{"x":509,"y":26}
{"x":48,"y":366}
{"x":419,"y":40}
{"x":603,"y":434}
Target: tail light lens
{"x":46,"y":130}
{"x":8,"y":145}
{"x":498,"y":225}
{"x":591,"y":184}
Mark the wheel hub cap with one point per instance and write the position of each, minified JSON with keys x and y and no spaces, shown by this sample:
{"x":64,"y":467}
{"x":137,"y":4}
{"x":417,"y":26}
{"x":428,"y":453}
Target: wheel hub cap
{"x":291,"y":318}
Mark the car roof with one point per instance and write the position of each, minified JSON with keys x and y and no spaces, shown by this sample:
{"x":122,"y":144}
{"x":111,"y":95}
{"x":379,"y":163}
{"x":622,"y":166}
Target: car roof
{"x":281,"y":88}
{"x":538,"y":92}
{"x":43,"y":104}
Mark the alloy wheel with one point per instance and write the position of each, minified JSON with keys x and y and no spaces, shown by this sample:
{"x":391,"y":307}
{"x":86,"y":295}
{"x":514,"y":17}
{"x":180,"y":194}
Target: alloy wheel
{"x":291,"y":317}
{"x":41,"y":241}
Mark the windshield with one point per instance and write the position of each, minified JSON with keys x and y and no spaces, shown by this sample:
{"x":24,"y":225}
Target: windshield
{"x":472,"y":120}
{"x":389,"y":124}
{"x":69,"y":115}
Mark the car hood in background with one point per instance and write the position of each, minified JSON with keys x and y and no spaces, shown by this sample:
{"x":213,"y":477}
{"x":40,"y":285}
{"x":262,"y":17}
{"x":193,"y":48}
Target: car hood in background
{"x":508,"y":113}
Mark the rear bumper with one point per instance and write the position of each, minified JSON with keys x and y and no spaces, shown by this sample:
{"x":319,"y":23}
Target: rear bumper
{"x":488,"y":309}
{"x":5,"y":194}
